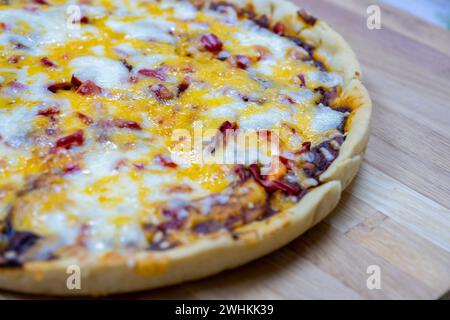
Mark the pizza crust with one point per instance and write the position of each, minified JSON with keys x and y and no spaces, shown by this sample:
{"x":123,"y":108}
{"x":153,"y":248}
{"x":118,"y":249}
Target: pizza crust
{"x":219,"y":252}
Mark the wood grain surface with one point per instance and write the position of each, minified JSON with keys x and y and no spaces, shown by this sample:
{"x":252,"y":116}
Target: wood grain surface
{"x":396,"y":214}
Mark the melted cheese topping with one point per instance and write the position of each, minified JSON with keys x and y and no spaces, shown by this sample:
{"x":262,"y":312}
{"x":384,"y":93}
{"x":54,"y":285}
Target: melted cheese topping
{"x":107,"y":186}
{"x":107,"y":73}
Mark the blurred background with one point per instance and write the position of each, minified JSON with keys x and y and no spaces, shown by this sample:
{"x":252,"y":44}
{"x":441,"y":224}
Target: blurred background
{"x":434,"y":11}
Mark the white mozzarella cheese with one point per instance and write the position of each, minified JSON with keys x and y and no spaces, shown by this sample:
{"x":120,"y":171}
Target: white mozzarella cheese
{"x":103,"y":162}
{"x":326,"y":118}
{"x":256,"y":36}
{"x":228,"y":111}
{"x":238,"y":151}
{"x":20,"y":74}
{"x":125,"y":49}
{"x":106,"y":73}
{"x":325,"y":79}
{"x":47,"y":27}
{"x":98,"y":50}
{"x":227,"y":15}
{"x":57,"y":223}
{"x":154,"y":29}
{"x":266,"y":120}
{"x":181,"y":10}
{"x":140,"y":61}
{"x":15,"y":124}
{"x":299,"y":96}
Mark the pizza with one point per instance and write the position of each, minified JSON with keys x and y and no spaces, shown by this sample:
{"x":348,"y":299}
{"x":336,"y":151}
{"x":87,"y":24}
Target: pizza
{"x":155,"y":142}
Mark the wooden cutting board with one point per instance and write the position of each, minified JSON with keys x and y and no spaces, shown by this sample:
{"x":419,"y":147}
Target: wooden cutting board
{"x":396,"y":215}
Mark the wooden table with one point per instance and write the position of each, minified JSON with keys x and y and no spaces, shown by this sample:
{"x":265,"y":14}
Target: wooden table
{"x":396,"y":214}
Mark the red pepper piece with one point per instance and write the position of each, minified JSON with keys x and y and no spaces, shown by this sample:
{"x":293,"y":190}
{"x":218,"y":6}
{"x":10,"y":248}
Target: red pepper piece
{"x":211,"y":43}
{"x":75,"y":139}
